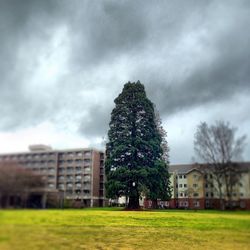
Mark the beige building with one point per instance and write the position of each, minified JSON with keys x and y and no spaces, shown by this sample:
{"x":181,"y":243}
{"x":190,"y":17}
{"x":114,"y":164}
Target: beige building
{"x":195,"y":188}
{"x":74,"y":174}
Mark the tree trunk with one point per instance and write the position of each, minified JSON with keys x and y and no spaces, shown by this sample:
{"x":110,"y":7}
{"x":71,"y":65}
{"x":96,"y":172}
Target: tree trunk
{"x":133,"y":203}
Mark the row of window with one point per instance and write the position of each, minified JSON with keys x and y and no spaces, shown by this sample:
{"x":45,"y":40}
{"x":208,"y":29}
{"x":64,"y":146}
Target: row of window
{"x":71,"y":185}
{"x":72,"y":177}
{"x":50,"y":170}
{"x":78,"y":191}
{"x":42,"y":162}
{"x":186,"y":204}
{"x":78,"y":168}
{"x":185,"y":185}
{"x":85,"y":154}
{"x":85,"y":161}
{"x":183,"y":176}
{"x":186,"y":194}
{"x":27,"y":156}
{"x":180,"y":176}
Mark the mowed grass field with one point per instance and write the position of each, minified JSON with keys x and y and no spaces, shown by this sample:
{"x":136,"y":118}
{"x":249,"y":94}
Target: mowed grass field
{"x":116,"y":229}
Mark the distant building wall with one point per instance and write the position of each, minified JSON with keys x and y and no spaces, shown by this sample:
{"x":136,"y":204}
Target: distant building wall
{"x":75,"y":174}
{"x":193,"y":188}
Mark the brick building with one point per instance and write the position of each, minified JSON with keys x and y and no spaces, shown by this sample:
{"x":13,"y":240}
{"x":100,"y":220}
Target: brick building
{"x":72,"y":174}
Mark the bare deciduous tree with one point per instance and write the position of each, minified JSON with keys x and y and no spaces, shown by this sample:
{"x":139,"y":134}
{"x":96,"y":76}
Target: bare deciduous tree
{"x":16,"y":184}
{"x":219,"y":148}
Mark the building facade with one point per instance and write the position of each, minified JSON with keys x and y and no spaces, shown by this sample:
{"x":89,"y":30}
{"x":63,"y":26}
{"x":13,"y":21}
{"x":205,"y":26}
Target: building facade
{"x":75,"y":175}
{"x":194,"y":188}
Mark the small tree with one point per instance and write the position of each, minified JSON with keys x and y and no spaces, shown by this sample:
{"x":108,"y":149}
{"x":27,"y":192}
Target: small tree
{"x":134,"y":164}
{"x":219,"y":148}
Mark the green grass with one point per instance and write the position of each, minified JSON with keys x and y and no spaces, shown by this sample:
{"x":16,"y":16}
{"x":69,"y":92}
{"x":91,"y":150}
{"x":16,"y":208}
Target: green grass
{"x":115,"y":229}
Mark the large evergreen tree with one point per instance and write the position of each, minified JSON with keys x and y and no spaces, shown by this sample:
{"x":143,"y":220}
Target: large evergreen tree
{"x":134,"y":156}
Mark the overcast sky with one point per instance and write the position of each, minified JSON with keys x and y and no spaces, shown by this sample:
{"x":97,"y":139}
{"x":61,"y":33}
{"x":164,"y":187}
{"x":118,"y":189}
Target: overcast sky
{"x":63,"y":62}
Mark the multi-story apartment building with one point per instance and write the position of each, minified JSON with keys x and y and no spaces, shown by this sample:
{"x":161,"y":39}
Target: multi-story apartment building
{"x":194,"y":188}
{"x":72,"y":174}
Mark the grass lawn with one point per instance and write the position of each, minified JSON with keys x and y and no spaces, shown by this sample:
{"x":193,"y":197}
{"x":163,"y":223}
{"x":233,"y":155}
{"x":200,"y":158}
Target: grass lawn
{"x":115,"y":229}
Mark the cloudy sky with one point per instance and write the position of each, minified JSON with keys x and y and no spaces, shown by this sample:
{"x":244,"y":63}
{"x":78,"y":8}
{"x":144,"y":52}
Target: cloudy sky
{"x":62,"y":63}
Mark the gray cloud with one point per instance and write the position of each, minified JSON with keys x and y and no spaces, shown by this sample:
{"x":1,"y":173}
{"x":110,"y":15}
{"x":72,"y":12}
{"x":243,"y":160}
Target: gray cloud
{"x":188,"y":54}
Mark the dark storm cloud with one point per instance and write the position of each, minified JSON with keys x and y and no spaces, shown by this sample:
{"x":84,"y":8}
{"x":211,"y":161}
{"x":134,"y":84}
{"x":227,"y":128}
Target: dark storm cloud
{"x":96,"y":122}
{"x":22,"y":23}
{"x":101,"y":33}
{"x":220,"y":78}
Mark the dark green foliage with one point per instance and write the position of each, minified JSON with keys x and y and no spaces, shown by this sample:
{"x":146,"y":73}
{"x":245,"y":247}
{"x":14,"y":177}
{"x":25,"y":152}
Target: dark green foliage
{"x":134,"y":164}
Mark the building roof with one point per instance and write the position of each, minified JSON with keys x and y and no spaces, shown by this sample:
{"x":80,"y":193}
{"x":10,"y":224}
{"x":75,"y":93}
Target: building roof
{"x":183,"y":168}
{"x":52,"y":151}
{"x":186,"y":168}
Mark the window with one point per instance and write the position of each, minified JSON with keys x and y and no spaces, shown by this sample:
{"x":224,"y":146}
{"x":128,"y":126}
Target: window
{"x":69,"y":185}
{"x":207,"y":204}
{"x":87,"y":162}
{"x":184,"y":176}
{"x":195,"y":194}
{"x":51,"y":185}
{"x":51,"y":170}
{"x":196,"y":203}
{"x":78,"y":185}
{"x":78,"y":168}
{"x":180,"y":176}
{"x":87,"y":154}
{"x":87,"y":169}
{"x":212,"y":194}
{"x":242,"y":204}
{"x":61,"y":186}
{"x":78,"y":177}
{"x":176,"y":185}
{"x":207,"y":194}
{"x":70,"y":169}
{"x":195,"y":176}
{"x":79,"y":154}
{"x":181,"y":194}
{"x":86,"y":177}
{"x":69,"y":177}
{"x":61,"y":170}
{"x":180,"y":185}
{"x":185,"y":185}
{"x":78,"y":191}
{"x":241,"y":194}
{"x":206,"y":185}
{"x":195,"y":185}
